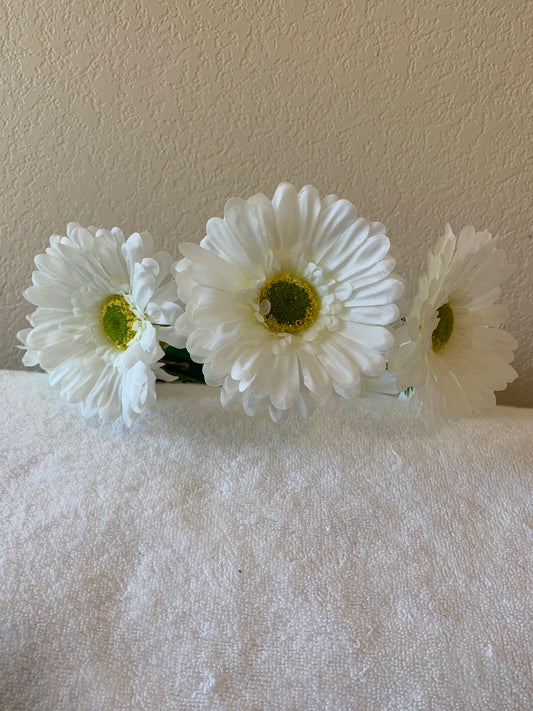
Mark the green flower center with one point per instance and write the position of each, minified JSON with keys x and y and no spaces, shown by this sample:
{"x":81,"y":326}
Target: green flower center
{"x":442,"y":334}
{"x":117,"y":321}
{"x":294,"y":303}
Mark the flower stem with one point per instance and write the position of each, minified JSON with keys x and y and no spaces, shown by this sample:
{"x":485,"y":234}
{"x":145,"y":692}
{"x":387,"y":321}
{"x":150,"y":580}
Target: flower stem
{"x":177,"y":361}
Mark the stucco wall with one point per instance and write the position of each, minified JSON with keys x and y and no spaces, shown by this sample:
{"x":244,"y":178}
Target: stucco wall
{"x":149,"y":115}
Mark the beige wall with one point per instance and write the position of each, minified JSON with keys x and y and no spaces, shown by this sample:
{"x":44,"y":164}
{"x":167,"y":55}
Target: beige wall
{"x":149,"y":114}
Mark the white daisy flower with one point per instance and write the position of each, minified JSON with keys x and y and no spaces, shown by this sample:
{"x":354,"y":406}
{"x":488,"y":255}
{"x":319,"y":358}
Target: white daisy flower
{"x":287,"y":301}
{"x":104,"y":306}
{"x":451,"y":350}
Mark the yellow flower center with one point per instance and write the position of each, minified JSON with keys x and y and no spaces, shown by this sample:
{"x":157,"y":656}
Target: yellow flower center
{"x":117,"y":321}
{"x":442,"y":334}
{"x":294,"y":303}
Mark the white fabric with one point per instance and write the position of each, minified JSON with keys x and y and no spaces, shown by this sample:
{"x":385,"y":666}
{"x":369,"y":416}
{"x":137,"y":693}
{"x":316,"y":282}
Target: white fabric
{"x":206,"y":560}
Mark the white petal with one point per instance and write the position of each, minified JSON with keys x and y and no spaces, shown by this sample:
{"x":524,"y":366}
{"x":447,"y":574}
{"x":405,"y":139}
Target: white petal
{"x":252,"y":405}
{"x":381,"y":292}
{"x":207,"y":269}
{"x":164,"y":313}
{"x":376,"y":338}
{"x":80,"y":236}
{"x":372,"y":251}
{"x":133,"y":252}
{"x":276,"y":414}
{"x":329,"y":200}
{"x":308,"y":211}
{"x":332,"y":224}
{"x":166,"y":292}
{"x":144,"y":281}
{"x":245,"y":366}
{"x":284,"y":381}
{"x":100,"y":391}
{"x":340,"y":368}
{"x":148,"y":338}
{"x":340,"y":251}
{"x":285,"y":204}
{"x":204,"y":340}
{"x":382,"y":315}
{"x":164,"y":261}
{"x":247,"y":231}
{"x":138,"y":392}
{"x":204,"y":317}
{"x":62,"y":350}
{"x":30,"y":358}
{"x":161,"y":374}
{"x":385,"y":384}
{"x":226,"y":241}
{"x":261,"y":208}
{"x":367,"y":361}
{"x":306,"y":405}
{"x":315,"y":377}
{"x":370,"y":275}
{"x":169,"y":335}
{"x":49,"y":297}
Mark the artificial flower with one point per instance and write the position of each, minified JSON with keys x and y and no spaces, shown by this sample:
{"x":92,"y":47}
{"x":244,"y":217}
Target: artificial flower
{"x":104,"y":306}
{"x":287,"y":301}
{"x":452,"y":354}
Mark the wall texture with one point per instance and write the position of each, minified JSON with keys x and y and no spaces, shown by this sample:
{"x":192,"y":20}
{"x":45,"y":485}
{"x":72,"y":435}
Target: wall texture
{"x":149,"y":114}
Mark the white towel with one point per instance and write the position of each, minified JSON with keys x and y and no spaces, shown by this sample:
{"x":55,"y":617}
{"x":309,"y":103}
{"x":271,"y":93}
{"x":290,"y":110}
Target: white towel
{"x":206,"y":560}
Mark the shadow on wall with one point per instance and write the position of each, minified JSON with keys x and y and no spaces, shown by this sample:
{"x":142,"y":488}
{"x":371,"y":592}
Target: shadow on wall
{"x":517,"y":393}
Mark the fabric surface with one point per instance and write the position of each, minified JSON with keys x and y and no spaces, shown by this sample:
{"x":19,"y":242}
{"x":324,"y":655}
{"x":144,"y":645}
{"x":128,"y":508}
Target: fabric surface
{"x":206,"y":560}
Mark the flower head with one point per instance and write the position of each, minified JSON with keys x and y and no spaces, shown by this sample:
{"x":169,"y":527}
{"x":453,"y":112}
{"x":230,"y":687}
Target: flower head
{"x":451,"y":350}
{"x":287,"y":301}
{"x":104,"y":306}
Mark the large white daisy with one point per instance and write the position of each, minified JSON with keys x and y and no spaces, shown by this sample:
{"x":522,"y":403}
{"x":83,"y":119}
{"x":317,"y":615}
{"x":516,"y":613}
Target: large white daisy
{"x":104,"y":306}
{"x":287,"y":301}
{"x":451,"y":350}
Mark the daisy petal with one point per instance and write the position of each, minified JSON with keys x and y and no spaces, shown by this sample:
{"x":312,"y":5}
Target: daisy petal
{"x":285,"y":204}
{"x":333,"y":222}
{"x":284,"y":382}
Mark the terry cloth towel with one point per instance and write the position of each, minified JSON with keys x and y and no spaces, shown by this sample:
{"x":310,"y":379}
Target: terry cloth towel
{"x":207,"y":560}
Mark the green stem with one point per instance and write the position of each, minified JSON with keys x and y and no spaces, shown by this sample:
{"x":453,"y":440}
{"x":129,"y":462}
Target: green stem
{"x":177,"y":361}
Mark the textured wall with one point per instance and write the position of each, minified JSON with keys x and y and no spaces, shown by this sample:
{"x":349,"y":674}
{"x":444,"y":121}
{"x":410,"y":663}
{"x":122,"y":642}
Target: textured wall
{"x":149,"y":114}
